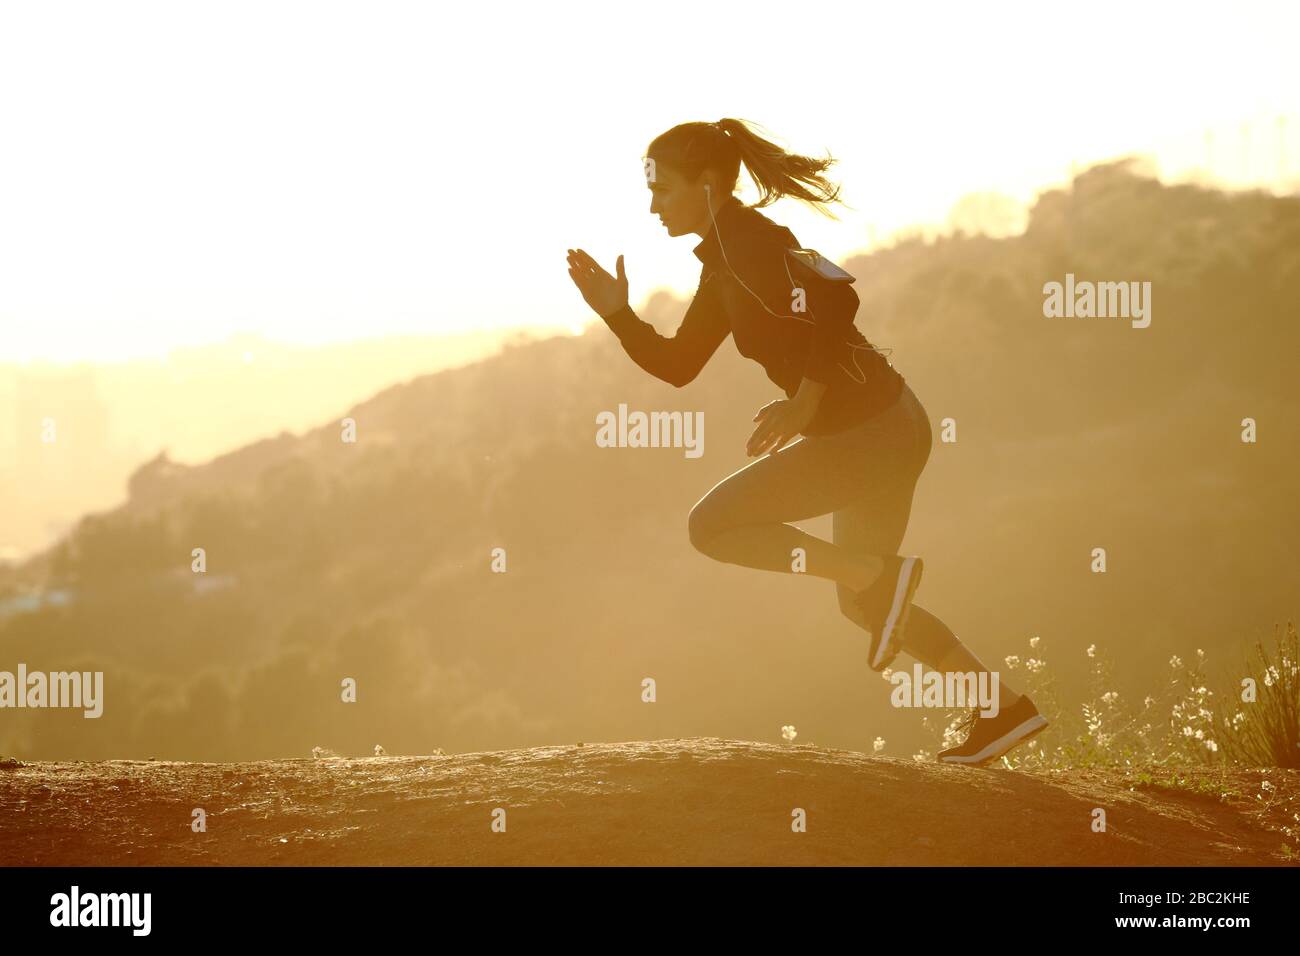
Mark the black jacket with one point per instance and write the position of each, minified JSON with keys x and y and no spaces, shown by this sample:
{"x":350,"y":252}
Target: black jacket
{"x":818,"y":341}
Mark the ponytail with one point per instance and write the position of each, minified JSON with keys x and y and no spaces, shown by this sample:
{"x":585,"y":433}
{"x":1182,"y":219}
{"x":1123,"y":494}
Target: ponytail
{"x":723,"y":146}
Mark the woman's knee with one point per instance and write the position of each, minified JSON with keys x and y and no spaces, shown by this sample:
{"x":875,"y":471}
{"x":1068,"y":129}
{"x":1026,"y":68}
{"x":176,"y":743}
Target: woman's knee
{"x":702,"y":526}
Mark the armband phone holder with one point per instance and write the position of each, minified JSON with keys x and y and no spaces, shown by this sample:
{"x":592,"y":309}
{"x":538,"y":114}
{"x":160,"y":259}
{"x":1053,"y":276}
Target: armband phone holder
{"x":814,"y":261}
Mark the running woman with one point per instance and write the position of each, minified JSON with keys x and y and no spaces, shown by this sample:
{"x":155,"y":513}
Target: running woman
{"x":865,"y":436}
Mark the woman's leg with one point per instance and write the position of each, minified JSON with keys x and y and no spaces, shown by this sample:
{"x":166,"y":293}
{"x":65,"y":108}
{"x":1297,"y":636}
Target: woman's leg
{"x":743,"y":518}
{"x":866,"y":476}
{"x":875,"y":524}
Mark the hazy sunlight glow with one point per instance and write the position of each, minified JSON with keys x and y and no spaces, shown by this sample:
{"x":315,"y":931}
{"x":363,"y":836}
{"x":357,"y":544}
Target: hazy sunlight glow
{"x":328,"y":171}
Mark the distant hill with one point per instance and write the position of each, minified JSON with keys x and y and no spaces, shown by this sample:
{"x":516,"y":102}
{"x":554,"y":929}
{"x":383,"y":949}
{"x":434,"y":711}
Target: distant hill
{"x":370,"y":560}
{"x":198,"y":402}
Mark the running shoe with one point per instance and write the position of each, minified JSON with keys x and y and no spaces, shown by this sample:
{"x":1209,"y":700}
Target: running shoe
{"x":885,"y":606}
{"x":991,"y":737}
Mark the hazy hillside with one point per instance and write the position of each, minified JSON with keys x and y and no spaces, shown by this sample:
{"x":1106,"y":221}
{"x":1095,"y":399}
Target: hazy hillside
{"x":196,"y":403}
{"x":371,"y":560}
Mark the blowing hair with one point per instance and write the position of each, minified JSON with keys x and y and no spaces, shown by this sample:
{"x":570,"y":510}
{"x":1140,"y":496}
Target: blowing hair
{"x":692,"y":148}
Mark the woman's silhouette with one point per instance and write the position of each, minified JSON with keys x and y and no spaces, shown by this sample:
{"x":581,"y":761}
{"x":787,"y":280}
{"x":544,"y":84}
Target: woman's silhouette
{"x":866,"y":437}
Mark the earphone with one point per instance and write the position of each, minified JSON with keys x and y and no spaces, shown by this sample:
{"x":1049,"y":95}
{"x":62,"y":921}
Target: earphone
{"x":793,"y":285}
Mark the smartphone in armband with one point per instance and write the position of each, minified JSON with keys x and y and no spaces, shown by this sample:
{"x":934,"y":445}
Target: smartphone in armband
{"x":819,"y":264}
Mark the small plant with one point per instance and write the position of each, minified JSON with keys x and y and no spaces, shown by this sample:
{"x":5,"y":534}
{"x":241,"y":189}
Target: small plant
{"x":1183,"y":724}
{"x":1265,"y":732}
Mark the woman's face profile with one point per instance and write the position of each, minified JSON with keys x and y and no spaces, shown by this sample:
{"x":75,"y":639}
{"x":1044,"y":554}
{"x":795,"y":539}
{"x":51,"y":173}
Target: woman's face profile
{"x":678,"y":203}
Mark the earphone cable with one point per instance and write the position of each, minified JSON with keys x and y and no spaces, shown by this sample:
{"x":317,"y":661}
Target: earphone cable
{"x":793,"y":286}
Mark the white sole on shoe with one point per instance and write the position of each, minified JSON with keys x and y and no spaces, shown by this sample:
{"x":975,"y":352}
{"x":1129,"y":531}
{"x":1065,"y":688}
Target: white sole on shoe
{"x":891,"y":641}
{"x":996,"y":748}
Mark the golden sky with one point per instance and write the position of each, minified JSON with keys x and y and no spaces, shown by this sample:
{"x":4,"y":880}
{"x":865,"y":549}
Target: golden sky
{"x":177,"y":172}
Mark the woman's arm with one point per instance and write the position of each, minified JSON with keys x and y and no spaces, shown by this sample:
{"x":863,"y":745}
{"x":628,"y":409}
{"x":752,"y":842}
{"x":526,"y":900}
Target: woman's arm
{"x":676,"y":360}
{"x":780,"y":421}
{"x":810,"y":393}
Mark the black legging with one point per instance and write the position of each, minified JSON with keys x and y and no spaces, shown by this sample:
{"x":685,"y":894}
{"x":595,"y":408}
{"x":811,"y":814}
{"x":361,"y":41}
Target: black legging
{"x":865,"y":476}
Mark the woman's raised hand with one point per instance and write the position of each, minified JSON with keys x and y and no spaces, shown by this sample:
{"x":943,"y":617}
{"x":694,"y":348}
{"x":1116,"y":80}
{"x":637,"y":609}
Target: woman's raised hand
{"x":606,"y":294}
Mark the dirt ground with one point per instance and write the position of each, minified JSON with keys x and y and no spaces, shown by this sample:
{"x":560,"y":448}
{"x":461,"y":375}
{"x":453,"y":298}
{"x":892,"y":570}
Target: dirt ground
{"x":669,"y":802}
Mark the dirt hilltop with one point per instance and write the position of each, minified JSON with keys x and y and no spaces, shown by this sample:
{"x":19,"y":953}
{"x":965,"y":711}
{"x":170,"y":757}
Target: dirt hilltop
{"x":668,"y":802}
